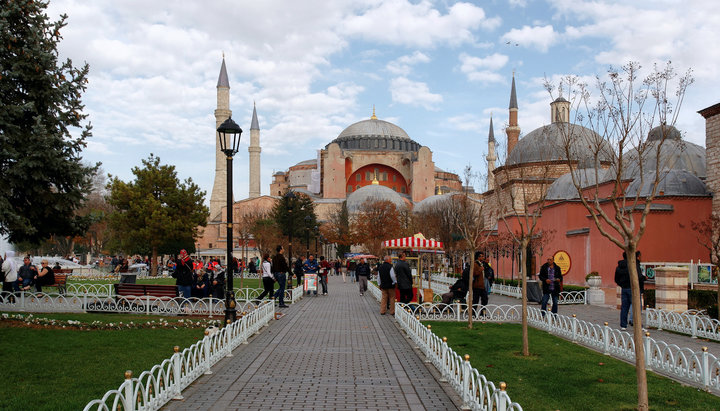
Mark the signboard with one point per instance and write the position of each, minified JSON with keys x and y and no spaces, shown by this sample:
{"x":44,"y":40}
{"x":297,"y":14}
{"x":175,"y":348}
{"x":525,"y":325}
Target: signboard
{"x":310,"y":282}
{"x":562,"y":259}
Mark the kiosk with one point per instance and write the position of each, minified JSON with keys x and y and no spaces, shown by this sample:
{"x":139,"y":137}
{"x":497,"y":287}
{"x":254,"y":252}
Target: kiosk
{"x":415,"y":248}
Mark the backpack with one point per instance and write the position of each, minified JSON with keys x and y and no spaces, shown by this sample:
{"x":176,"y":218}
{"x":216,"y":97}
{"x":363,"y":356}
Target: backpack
{"x":489,"y":273}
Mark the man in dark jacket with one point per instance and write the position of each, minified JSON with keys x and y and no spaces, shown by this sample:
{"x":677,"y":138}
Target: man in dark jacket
{"x":622,"y":279}
{"x":478,"y":284}
{"x":362,"y":271}
{"x":552,"y":281}
{"x":404,"y":279}
{"x":387,"y":280}
{"x":184,"y":274}
{"x":279,"y":268}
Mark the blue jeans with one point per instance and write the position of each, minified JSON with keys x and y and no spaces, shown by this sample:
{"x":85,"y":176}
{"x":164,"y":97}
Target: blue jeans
{"x":185,"y":290}
{"x":625,"y":302}
{"x":280,"y":293}
{"x":544,"y":301}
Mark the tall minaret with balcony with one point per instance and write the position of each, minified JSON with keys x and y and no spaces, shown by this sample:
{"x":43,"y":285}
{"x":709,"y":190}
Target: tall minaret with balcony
{"x":218,"y":198}
{"x":513,"y":130}
{"x":491,"y":157}
{"x":254,"y":151}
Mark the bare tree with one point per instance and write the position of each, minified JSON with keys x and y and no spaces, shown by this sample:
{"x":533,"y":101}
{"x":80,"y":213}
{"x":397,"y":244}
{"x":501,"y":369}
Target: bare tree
{"x":620,"y":117}
{"x":520,"y":193}
{"x":376,"y":220}
{"x":465,"y":215}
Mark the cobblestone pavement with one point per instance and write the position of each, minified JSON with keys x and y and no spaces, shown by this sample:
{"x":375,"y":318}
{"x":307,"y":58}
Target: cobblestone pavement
{"x":327,"y":352}
{"x":601,"y":314}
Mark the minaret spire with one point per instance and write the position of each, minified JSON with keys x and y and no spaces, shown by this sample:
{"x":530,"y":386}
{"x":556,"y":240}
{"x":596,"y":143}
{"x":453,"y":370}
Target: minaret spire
{"x":254,"y":153}
{"x":218,"y":197}
{"x":513,"y":130}
{"x":491,"y":158}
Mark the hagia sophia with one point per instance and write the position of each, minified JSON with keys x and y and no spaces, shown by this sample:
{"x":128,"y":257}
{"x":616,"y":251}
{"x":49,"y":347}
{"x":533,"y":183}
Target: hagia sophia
{"x":375,"y":159}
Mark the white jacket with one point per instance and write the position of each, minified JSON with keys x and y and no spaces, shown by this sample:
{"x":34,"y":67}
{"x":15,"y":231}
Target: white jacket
{"x":9,"y":267}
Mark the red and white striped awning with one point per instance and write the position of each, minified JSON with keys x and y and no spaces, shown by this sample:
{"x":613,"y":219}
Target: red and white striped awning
{"x":418,"y":241}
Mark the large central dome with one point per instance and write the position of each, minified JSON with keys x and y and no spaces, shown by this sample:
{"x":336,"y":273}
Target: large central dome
{"x":374,"y":134}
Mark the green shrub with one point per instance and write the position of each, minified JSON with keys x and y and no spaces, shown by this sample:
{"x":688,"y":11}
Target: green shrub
{"x":697,"y":300}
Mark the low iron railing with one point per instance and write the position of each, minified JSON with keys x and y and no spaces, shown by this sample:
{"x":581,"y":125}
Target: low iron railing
{"x":165,"y":381}
{"x":689,"y":323}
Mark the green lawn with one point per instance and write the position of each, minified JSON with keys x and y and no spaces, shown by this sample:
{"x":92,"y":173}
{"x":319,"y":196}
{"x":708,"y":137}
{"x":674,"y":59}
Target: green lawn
{"x":560,"y":375}
{"x":49,"y":369}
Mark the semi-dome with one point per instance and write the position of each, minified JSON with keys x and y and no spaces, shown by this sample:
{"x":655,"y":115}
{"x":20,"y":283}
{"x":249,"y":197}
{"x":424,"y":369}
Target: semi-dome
{"x":672,"y":183}
{"x":563,"y":187}
{"x":675,"y":154}
{"x":374,"y":134}
{"x":431,"y":202}
{"x":373,"y":192}
{"x":547,"y":143}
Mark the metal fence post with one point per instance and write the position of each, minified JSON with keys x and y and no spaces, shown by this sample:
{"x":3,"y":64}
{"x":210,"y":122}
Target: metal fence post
{"x":207,"y":341}
{"x":147,"y":306}
{"x":129,"y":392}
{"x":501,"y":404}
{"x":228,"y":347}
{"x":606,"y":339}
{"x":574,"y":327}
{"x":177,"y":372}
{"x":693,"y":325}
{"x":466,"y":383}
{"x":705,"y":368}
{"x":648,"y":353}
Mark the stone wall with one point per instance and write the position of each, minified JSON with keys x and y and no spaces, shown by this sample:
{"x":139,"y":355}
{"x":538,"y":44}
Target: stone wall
{"x":712,"y":152}
{"x":671,"y":288}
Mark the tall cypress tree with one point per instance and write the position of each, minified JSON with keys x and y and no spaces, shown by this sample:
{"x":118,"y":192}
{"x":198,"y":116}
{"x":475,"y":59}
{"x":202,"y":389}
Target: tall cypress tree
{"x":42,"y":179}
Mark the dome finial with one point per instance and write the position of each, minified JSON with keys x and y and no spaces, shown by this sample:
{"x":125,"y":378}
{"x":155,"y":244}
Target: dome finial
{"x":373,"y":116}
{"x":375,"y":179}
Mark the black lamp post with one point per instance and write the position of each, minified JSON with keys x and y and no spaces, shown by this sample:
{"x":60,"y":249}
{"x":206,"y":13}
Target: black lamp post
{"x":290,"y":197}
{"x":308,"y":220}
{"x":229,"y":135}
{"x":316,"y":232}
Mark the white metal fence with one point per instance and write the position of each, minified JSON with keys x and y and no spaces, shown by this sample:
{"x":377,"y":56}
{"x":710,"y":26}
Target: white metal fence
{"x":697,"y":368}
{"x":166,"y":381}
{"x":440,"y":285}
{"x":98,"y":298}
{"x":476,"y":391}
{"x":689,"y":323}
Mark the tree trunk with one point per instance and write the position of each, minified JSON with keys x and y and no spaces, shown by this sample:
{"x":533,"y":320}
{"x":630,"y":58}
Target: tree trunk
{"x":470,"y":290}
{"x":153,"y":262}
{"x":523,"y":297}
{"x":640,"y":372}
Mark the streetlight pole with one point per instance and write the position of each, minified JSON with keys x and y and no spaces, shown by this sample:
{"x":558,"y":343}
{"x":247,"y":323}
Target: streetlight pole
{"x":229,"y":135}
{"x":308,"y":220}
{"x":290,"y":197}
{"x":316,"y":231}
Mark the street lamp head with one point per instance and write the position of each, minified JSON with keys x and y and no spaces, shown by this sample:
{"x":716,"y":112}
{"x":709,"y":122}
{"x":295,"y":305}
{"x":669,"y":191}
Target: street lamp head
{"x":229,"y":135}
{"x":290,"y":196}
{"x":308,"y":220}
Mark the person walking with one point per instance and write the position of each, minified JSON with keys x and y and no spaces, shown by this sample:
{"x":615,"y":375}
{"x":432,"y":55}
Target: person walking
{"x":268,"y":279}
{"x":351,"y":269}
{"x":552,"y":283}
{"x":323,"y":274}
{"x":9,"y":270}
{"x":362,"y":271}
{"x":343,"y":269}
{"x":183,"y":274}
{"x":404,"y":279}
{"x":298,"y":269}
{"x":217,"y":279}
{"x":622,"y":279}
{"x":478,"y":284}
{"x":387,"y":280}
{"x":279,"y":269}
{"x":641,"y":281}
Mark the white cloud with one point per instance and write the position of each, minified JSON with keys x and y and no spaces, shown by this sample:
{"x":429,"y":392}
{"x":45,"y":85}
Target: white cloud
{"x":414,"y":93}
{"x":403,"y":65}
{"x":482,"y":69}
{"x":539,"y":37}
{"x":401,"y":22}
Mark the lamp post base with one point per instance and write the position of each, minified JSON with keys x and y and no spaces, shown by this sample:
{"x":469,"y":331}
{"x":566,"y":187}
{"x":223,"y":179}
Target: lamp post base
{"x":230,"y":313}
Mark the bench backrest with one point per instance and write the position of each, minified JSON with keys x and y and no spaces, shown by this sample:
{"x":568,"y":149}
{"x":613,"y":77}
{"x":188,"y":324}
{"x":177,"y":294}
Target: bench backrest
{"x":61,"y":279}
{"x":155,"y":290}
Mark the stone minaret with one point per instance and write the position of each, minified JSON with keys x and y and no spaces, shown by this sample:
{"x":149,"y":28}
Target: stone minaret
{"x":254,"y":151}
{"x":491,"y":158}
{"x":218,"y":198}
{"x":513,"y":130}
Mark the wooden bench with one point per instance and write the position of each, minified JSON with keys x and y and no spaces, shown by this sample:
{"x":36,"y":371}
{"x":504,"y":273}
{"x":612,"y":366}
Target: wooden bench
{"x":141,"y":290}
{"x":61,"y":276}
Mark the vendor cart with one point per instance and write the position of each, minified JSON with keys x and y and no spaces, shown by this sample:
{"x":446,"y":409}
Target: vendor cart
{"x":417,"y":248}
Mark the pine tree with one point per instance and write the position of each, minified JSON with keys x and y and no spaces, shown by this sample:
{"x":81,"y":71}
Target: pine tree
{"x":156,"y":213}
{"x":43,"y":179}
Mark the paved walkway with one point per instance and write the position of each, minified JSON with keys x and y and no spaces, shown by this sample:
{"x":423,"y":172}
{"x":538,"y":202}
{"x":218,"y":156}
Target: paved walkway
{"x":326,"y":353}
{"x":601,"y":314}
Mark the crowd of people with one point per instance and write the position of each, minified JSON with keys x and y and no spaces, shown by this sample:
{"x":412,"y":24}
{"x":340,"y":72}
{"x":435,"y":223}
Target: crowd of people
{"x":27,"y":276}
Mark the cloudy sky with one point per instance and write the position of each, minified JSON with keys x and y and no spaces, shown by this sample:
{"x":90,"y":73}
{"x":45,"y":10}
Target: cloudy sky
{"x":438,"y":69}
